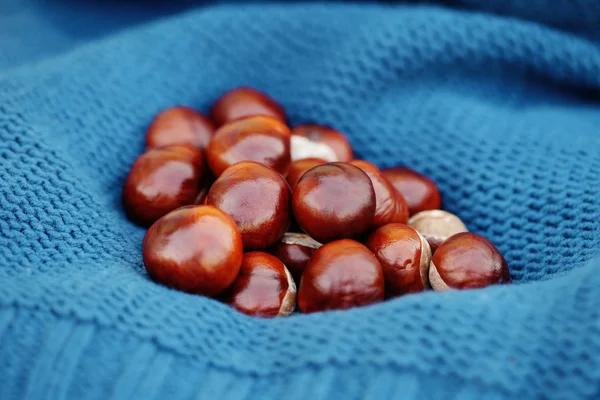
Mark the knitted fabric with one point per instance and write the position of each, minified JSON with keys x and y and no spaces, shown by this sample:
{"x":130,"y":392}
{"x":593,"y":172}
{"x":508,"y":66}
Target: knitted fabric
{"x":498,"y":101}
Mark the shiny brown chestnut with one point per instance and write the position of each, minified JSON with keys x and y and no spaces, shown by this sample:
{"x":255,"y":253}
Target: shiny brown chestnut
{"x":263,"y":288}
{"x":324,"y":135}
{"x":341,"y":275}
{"x":299,"y":167}
{"x":390,"y":205}
{"x":258,"y":200}
{"x":334,"y":201}
{"x":245,"y":102}
{"x":295,"y":250}
{"x":467,"y":261}
{"x":197,"y":249}
{"x":180,"y":125}
{"x":161,"y":180}
{"x":420,"y":192}
{"x":436,"y":226}
{"x":404,"y":255}
{"x":262,"y":139}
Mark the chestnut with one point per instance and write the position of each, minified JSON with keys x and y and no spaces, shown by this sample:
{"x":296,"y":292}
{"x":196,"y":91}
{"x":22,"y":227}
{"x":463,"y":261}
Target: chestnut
{"x":197,"y":249}
{"x":263,"y":288}
{"x":161,"y":180}
{"x":180,"y":125}
{"x":404,"y":255}
{"x":258,"y":200}
{"x":299,"y":167}
{"x":334,"y":201}
{"x":436,"y":226}
{"x":295,"y":251}
{"x":390,"y":205}
{"x":420,"y":192}
{"x":262,"y":139}
{"x":245,"y":102}
{"x":336,"y":140}
{"x":341,"y":274}
{"x":467,"y":261}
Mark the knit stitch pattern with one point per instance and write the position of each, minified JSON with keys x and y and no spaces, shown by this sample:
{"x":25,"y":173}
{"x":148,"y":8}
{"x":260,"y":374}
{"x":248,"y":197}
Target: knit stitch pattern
{"x":498,"y":101}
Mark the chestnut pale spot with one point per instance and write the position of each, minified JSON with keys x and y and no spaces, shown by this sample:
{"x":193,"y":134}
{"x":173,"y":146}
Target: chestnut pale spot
{"x":325,"y":135}
{"x":436,"y":226}
{"x":300,"y":239}
{"x":436,"y":281}
{"x":288,"y":304}
{"x":425,"y":261}
{"x":302,"y":148}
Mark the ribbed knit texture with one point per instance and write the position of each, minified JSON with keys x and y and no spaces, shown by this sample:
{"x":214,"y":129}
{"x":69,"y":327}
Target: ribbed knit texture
{"x":498,"y":101}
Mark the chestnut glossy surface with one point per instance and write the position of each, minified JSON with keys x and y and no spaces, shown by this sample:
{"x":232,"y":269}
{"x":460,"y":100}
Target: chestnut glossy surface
{"x":467,"y":261}
{"x":390,"y":205}
{"x":334,"y":201}
{"x":258,"y":200}
{"x":420,"y":192}
{"x":404,"y":256}
{"x":245,"y":102}
{"x":263,"y":288}
{"x":162,"y":180}
{"x":436,"y":226}
{"x":329,"y":136}
{"x":299,"y":167}
{"x":180,"y":125}
{"x":262,"y":139}
{"x":295,"y":251}
{"x":197,"y":249}
{"x":341,"y":275}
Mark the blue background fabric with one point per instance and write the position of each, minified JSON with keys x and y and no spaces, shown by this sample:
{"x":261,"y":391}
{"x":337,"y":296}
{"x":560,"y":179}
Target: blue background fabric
{"x":498,"y":101}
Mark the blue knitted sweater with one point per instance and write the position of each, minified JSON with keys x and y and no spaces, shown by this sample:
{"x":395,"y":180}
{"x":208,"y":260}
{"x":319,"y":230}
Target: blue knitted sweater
{"x":498,"y":101}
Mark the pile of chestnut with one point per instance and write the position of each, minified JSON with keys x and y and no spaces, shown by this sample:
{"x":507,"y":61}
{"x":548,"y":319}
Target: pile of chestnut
{"x":245,"y":210}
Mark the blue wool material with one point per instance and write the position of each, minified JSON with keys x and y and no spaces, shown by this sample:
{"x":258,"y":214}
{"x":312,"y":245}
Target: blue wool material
{"x":498,"y":101}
